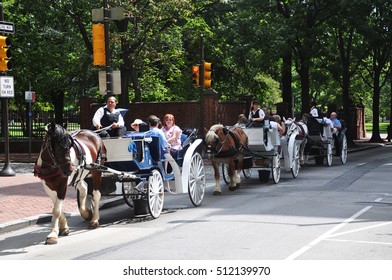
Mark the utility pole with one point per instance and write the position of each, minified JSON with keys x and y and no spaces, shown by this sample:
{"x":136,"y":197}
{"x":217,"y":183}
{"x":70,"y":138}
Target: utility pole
{"x":201,"y":81}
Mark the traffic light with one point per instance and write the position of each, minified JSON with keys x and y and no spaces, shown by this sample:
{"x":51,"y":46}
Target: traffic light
{"x":196,"y":75}
{"x":207,"y":67}
{"x":5,"y":53}
{"x":99,"y":51}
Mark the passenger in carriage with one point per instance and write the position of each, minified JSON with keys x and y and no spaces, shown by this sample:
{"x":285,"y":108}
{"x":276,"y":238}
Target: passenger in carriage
{"x":314,"y":112}
{"x":281,"y":125}
{"x":242,"y":121}
{"x":138,"y":125}
{"x":172,"y":134}
{"x":256,"y":114}
{"x":107,"y":116}
{"x":153,"y":122}
{"x":337,"y":125}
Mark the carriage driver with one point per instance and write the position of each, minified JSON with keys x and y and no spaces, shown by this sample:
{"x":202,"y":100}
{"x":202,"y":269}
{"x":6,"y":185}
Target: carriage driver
{"x":107,"y":116}
{"x":256,"y":114}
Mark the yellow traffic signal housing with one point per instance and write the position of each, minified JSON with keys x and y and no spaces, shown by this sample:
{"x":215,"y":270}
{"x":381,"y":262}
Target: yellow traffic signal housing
{"x":99,"y":50}
{"x":196,"y":75}
{"x":5,"y":53}
{"x":207,"y":67}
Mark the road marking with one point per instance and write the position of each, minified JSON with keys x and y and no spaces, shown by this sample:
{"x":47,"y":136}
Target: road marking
{"x":360,"y":229}
{"x":329,"y":233}
{"x":360,"y":241}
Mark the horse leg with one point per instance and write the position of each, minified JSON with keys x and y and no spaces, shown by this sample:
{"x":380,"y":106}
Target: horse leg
{"x":217,"y":190}
{"x":239,"y":169}
{"x":58,"y":217}
{"x":84,"y":212}
{"x":94,"y":223}
{"x":232,"y":184}
{"x":97,"y":182}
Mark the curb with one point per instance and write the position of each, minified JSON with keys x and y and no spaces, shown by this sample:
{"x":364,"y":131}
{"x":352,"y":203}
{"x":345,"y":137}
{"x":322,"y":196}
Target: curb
{"x":47,"y":218}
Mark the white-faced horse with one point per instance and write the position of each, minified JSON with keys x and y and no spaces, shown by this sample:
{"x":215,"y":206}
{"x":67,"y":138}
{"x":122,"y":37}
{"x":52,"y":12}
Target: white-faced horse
{"x":301,"y":131}
{"x":60,"y":164}
{"x":224,"y":146}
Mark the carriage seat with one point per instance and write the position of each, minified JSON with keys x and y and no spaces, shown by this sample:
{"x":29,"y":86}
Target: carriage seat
{"x":315,"y":125}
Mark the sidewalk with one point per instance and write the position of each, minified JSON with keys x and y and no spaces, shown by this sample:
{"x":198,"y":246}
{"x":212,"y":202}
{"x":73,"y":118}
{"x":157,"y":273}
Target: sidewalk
{"x":23,"y":201}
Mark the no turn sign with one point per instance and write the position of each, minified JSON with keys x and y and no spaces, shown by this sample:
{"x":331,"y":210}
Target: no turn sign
{"x":6,"y":86}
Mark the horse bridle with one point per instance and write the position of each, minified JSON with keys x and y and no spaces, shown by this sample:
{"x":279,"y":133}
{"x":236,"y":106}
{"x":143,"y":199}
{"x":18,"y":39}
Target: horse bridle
{"x":55,"y":166}
{"x":222,"y":144}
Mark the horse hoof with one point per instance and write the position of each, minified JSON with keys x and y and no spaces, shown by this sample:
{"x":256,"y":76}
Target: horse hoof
{"x":51,"y":240}
{"x":93,"y":225}
{"x":64,"y":232}
{"x":233,"y":188}
{"x":216,"y":193}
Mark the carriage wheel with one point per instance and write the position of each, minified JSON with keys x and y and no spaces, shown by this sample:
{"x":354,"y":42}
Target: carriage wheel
{"x":343,"y":152}
{"x":329,"y":154}
{"x":295,"y":161}
{"x":155,"y":194}
{"x":247,"y":172}
{"x":89,"y":205}
{"x":225,"y":173}
{"x":127,"y":189}
{"x":275,"y":168}
{"x":197,"y":180}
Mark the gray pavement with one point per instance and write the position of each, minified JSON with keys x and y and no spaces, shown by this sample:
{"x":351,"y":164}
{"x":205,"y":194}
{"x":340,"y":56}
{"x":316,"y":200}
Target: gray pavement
{"x":23,"y":201}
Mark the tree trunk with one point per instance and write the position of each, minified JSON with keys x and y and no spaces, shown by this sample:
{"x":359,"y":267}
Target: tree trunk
{"x":287,"y":80}
{"x":58,"y":103}
{"x":376,"y":107}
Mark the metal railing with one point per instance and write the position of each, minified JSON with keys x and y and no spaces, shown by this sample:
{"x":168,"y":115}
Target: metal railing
{"x":18,"y":126}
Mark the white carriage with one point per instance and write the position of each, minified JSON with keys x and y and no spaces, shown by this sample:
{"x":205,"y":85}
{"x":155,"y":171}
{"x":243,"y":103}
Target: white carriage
{"x":322,"y":143}
{"x":143,"y":175}
{"x":270,"y":153}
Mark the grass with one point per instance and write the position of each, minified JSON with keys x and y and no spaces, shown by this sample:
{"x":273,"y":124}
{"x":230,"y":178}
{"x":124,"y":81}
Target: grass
{"x":383,"y":127}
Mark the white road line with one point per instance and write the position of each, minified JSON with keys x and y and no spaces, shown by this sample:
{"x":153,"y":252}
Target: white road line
{"x":359,"y":241}
{"x":360,"y":229}
{"x":328,"y":233}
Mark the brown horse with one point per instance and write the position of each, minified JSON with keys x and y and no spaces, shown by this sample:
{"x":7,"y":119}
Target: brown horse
{"x":225,"y":146}
{"x":61,"y":164}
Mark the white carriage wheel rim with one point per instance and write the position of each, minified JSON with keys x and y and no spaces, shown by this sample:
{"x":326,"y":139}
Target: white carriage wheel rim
{"x":197,"y":180}
{"x":329,"y":154}
{"x":343,"y":152}
{"x":155,"y":194}
{"x":296,"y":166}
{"x":276,"y":169}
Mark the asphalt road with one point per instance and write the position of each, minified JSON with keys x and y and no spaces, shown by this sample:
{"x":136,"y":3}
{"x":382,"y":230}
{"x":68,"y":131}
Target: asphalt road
{"x":341,"y":212}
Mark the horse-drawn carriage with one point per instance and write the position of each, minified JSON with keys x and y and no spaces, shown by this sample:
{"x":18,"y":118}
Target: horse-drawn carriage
{"x":140,"y":174}
{"x":143,"y":174}
{"x":263,"y":149}
{"x":323,"y":142}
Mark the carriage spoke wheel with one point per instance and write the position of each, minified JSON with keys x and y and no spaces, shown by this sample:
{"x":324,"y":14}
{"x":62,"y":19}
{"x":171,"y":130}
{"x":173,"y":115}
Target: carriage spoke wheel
{"x":127,"y":189}
{"x":197,"y":180}
{"x":343,"y":152}
{"x":275,"y":168}
{"x":295,"y":161}
{"x":155,"y":194}
{"x":329,"y":154}
{"x":225,"y":173}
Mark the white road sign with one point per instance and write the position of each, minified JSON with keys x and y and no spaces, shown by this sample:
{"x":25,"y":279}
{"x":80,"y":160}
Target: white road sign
{"x":6,"y":86}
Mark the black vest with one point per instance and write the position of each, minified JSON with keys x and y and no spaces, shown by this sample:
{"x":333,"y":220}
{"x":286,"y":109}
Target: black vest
{"x":109,"y":118}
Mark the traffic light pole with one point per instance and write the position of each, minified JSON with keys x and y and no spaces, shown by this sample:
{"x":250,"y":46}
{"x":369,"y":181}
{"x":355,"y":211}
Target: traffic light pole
{"x":108,"y":69}
{"x":201,"y":82}
{"x":7,"y":170}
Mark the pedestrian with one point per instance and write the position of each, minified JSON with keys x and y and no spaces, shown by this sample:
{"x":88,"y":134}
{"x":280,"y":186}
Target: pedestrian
{"x":109,"y":117}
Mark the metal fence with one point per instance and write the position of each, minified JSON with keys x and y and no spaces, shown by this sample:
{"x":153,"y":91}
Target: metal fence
{"x":18,"y":126}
